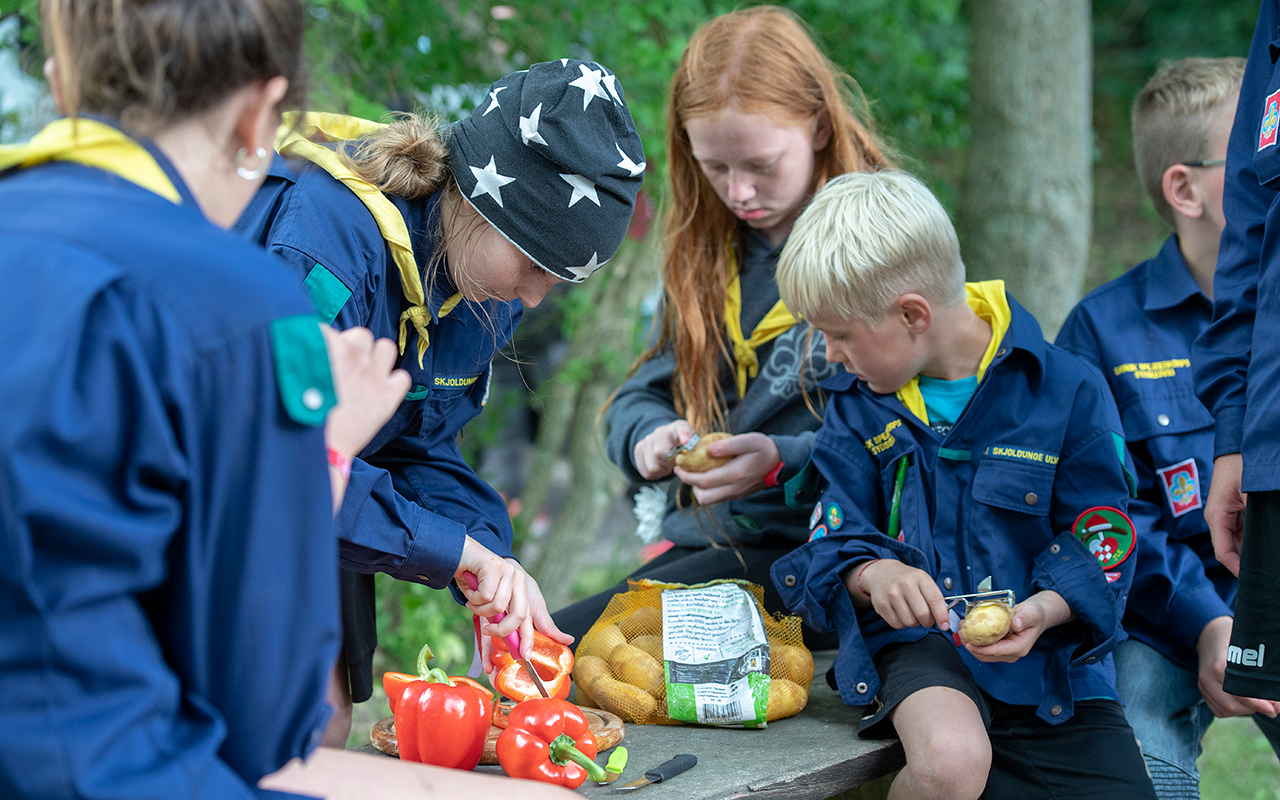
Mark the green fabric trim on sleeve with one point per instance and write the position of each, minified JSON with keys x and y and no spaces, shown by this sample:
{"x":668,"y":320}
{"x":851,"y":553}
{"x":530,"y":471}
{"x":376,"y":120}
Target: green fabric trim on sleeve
{"x":302,"y":368}
{"x":802,"y":490}
{"x":328,"y":294}
{"x":955,"y":455}
{"x":1129,"y":477}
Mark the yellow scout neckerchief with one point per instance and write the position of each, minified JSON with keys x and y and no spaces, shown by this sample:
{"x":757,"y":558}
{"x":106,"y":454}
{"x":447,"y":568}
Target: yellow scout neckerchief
{"x":301,"y":137}
{"x":988,"y":301}
{"x":94,"y":144}
{"x":775,"y":323}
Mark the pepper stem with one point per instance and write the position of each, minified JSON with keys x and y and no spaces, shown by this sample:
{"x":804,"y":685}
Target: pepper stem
{"x":563,"y":749}
{"x":436,"y":675}
{"x":424,"y":655}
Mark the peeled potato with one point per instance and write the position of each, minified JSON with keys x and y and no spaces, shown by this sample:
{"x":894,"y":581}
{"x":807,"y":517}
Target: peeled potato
{"x":629,"y":702}
{"x":645,"y":619}
{"x":986,"y":623}
{"x":698,"y":459}
{"x":792,"y":663}
{"x":785,"y":699}
{"x":602,"y":642}
{"x":636,"y":667}
{"x":650,"y":644}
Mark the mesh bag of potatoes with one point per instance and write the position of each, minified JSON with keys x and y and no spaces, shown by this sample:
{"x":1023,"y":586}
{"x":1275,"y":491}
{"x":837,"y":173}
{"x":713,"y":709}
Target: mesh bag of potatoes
{"x":706,"y":654}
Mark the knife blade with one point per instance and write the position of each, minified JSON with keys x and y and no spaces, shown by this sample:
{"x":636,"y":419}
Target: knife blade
{"x":662,"y":772}
{"x":683,"y":448}
{"x":512,"y":640}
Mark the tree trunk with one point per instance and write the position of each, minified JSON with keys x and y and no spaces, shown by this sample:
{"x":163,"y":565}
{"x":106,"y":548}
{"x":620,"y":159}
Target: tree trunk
{"x":1025,"y":205}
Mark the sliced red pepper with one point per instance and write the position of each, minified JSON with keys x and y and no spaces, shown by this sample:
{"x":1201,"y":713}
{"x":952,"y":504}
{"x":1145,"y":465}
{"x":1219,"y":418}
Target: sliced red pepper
{"x":552,"y":660}
{"x":549,"y":740}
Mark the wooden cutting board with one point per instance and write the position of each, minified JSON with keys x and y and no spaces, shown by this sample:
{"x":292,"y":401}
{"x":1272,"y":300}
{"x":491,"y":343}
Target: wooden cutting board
{"x":607,"y":728}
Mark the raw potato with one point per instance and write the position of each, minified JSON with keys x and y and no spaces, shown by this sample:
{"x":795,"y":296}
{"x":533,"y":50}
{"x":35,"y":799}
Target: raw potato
{"x":698,"y":459}
{"x":793,"y":663}
{"x":636,"y":667}
{"x":629,"y":702}
{"x":986,"y":623}
{"x":602,"y":642}
{"x":645,"y":619}
{"x":650,"y":644}
{"x":785,"y":699}
{"x":585,"y":671}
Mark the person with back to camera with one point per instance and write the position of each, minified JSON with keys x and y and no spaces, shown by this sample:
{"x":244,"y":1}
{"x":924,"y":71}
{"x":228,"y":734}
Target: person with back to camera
{"x":439,"y":239}
{"x":1139,"y":329}
{"x":168,"y":596}
{"x":1235,"y":362}
{"x":958,"y":446}
{"x":758,"y":119}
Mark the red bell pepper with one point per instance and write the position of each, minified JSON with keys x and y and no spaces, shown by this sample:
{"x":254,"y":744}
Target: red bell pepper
{"x":548,"y":740}
{"x":439,"y":720}
{"x":552,"y":660}
{"x":394,"y":683}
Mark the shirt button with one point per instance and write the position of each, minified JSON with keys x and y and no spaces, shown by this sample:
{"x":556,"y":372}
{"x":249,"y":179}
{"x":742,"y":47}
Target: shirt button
{"x":946,"y":583}
{"x":861,"y":688}
{"x":1055,"y":711}
{"x":1001,"y":352}
{"x":1054,"y":548}
{"x":1032,"y":498}
{"x":312,"y":398}
{"x":1163,"y":419}
{"x":790,"y":580}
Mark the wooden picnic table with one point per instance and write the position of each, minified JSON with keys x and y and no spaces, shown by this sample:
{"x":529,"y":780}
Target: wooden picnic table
{"x":815,"y":754}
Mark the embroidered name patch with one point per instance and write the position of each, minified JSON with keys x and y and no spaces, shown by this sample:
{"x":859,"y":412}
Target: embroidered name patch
{"x":1152,"y":370}
{"x":1021,"y":454}
{"x":883,"y":441}
{"x":455,"y":381}
{"x":1270,"y":120}
{"x":1181,"y":484}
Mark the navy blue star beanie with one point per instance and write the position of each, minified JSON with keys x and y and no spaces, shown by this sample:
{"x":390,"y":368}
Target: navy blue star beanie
{"x":552,"y":159}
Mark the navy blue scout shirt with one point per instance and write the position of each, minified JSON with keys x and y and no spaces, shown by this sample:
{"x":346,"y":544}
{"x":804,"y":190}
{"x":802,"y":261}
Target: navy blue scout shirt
{"x":1237,"y":359}
{"x":168,"y":588}
{"x":1038,"y":444}
{"x":1138,"y":329}
{"x":330,"y":240}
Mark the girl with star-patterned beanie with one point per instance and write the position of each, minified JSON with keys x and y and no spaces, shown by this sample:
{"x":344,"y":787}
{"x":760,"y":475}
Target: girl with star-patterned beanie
{"x":438,"y":239}
{"x":758,"y":120}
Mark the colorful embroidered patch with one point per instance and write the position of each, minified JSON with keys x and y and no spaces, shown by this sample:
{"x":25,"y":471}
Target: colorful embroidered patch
{"x":1107,"y":533}
{"x":818,"y":532}
{"x":835,"y":517}
{"x":816,"y":516}
{"x":1270,"y":120}
{"x":1181,"y":484}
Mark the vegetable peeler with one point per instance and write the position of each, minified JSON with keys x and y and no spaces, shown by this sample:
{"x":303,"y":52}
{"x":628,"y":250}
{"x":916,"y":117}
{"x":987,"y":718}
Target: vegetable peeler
{"x":684,"y":448}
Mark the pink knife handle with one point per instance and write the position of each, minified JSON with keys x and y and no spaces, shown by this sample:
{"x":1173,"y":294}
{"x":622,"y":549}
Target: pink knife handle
{"x":513,"y":638}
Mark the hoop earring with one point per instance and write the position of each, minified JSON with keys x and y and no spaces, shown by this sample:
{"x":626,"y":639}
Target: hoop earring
{"x":250,"y":174}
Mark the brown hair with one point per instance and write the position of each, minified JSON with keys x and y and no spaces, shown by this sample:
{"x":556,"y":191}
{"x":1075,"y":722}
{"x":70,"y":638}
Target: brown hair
{"x":757,"y":60}
{"x":407,"y":158}
{"x":1177,"y":113}
{"x":149,"y":64}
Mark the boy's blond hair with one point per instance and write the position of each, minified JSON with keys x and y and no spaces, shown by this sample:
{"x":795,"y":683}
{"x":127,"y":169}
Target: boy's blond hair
{"x":866,"y":239}
{"x":1174,"y":117}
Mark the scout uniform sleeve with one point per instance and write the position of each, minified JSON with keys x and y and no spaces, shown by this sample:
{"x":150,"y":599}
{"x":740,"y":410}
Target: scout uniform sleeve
{"x":1221,"y":354}
{"x":642,"y":404}
{"x":1095,"y":471}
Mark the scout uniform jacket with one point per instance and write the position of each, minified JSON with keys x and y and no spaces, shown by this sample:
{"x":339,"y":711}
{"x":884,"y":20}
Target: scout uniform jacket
{"x":1038,"y":444}
{"x":412,"y":498}
{"x":168,"y":608}
{"x":773,"y":404}
{"x":1237,"y":359}
{"x":1138,"y":329}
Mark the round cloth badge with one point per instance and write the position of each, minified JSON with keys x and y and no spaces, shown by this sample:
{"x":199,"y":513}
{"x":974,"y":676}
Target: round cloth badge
{"x":816,"y":516}
{"x":818,"y":532}
{"x":1107,"y":533}
{"x":835,"y":516}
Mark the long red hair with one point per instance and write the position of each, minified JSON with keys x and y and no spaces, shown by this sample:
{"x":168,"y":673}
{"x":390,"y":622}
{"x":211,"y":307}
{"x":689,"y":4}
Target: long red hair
{"x":756,"y":60}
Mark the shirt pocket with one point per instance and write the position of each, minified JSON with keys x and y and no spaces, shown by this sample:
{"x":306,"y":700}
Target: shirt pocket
{"x":1148,"y":417}
{"x":1014,"y":486}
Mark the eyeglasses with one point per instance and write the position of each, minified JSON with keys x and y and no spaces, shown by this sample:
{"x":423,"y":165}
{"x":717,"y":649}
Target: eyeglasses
{"x":1212,"y":162}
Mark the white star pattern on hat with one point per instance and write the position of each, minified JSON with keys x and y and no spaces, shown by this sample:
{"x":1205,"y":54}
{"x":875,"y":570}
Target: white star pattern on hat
{"x":529,"y":127}
{"x":564,"y":62}
{"x":589,"y":83}
{"x":586,"y":269}
{"x":627,"y":164}
{"x":489,"y":182}
{"x":581,"y":188}
{"x":493,"y":101}
{"x":611,"y":81}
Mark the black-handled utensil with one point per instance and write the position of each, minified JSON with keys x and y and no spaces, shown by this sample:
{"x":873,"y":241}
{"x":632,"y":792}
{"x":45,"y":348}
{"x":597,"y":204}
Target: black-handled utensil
{"x":663,"y":772}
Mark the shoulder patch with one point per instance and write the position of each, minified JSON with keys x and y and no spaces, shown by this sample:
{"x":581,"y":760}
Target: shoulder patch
{"x":818,"y":532}
{"x":328,"y":293}
{"x":302,"y":369}
{"x":1181,"y":484}
{"x":1107,"y":533}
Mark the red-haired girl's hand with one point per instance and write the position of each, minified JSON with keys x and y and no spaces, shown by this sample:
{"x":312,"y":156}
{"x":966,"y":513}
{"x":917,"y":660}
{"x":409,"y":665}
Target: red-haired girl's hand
{"x":650,"y":455}
{"x":754,"y":456}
